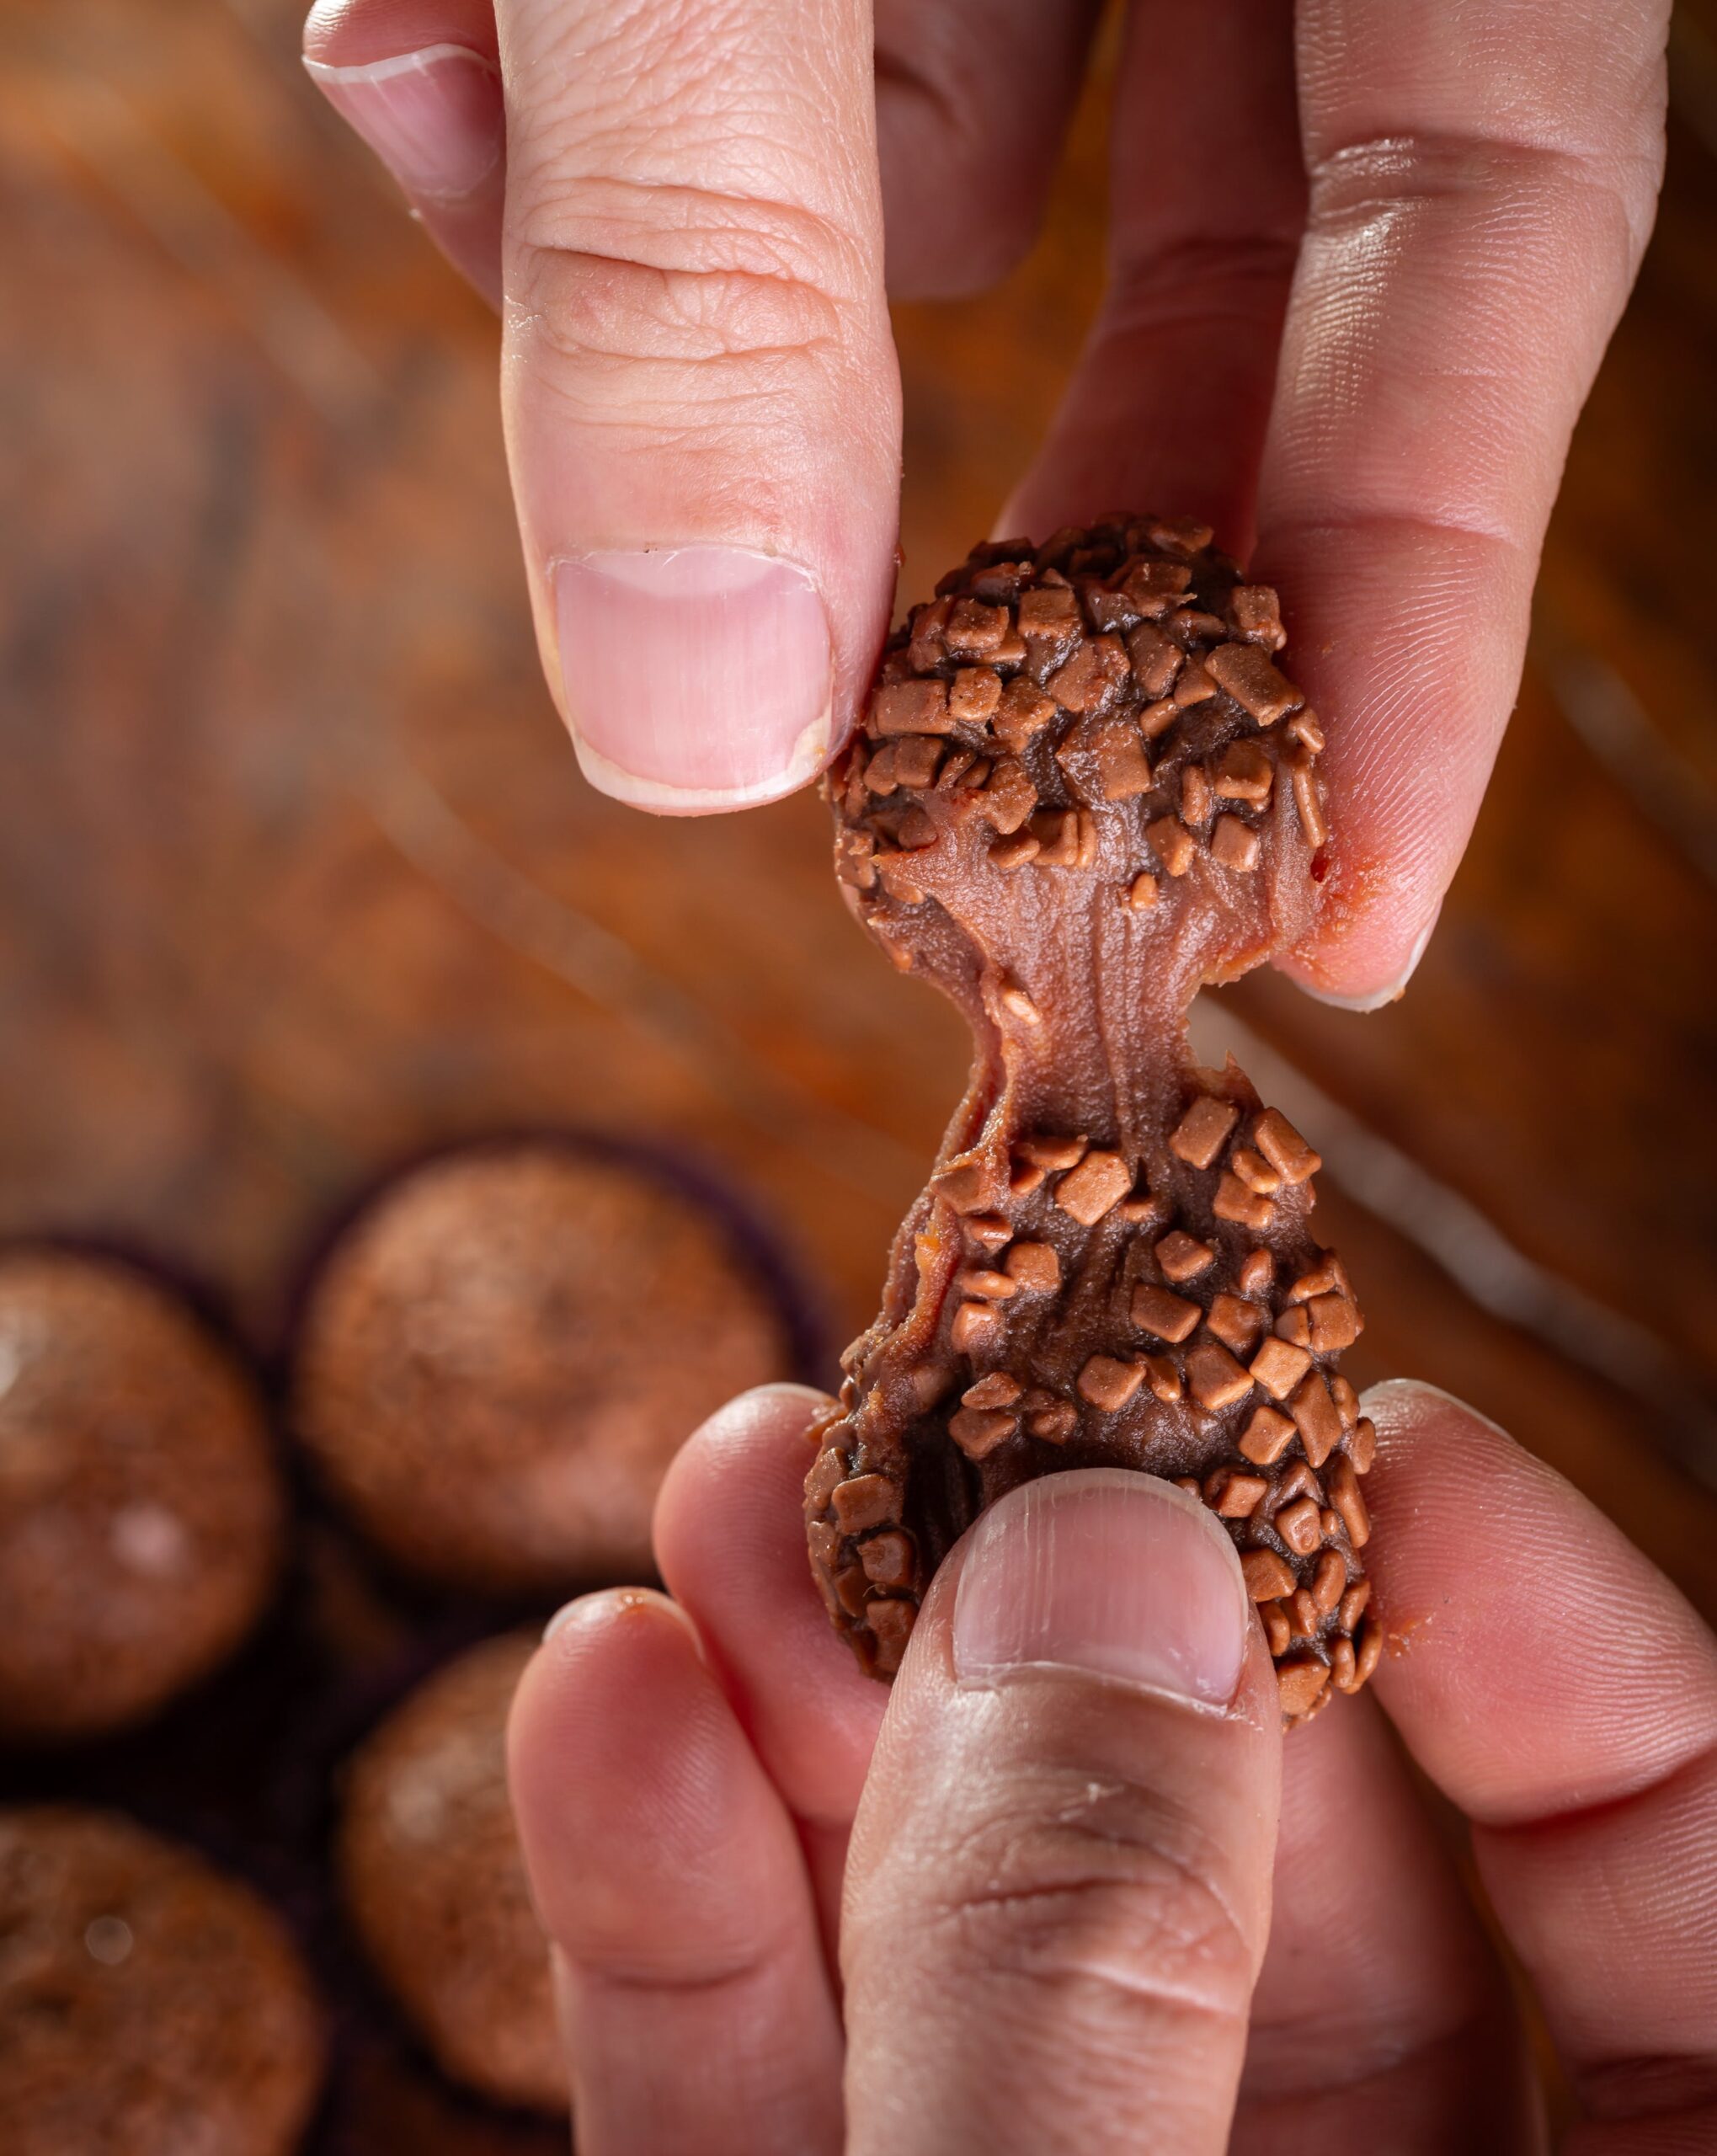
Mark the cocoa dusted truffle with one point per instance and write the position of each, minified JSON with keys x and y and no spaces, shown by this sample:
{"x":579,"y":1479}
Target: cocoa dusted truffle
{"x":1082,"y":790}
{"x":147,"y":2001}
{"x":141,"y":1511}
{"x":501,"y":1358}
{"x":434,"y":1883}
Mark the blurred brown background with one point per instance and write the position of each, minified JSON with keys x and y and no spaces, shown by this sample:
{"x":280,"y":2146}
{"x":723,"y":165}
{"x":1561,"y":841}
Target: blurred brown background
{"x":298,"y":877}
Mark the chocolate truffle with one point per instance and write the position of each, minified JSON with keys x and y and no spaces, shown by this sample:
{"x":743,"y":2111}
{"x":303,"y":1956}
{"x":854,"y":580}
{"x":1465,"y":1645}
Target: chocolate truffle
{"x":1083,"y":790}
{"x":434,"y":1883}
{"x":147,"y":2002}
{"x":501,"y":1358}
{"x":141,"y":1511}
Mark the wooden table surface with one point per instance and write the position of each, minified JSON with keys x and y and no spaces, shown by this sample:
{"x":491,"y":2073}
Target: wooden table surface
{"x":298,"y":877}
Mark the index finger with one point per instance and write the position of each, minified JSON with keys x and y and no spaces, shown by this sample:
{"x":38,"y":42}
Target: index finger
{"x":1560,"y":1691}
{"x":1482,"y":185}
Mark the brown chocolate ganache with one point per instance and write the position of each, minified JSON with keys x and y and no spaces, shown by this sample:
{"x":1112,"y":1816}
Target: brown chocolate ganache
{"x":1083,"y":790}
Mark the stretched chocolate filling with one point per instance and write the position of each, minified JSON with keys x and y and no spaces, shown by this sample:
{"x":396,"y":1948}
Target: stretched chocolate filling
{"x":1082,"y":791}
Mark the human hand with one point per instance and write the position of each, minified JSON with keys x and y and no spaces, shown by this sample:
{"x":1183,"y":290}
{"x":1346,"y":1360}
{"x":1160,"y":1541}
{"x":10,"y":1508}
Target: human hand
{"x":1043,"y":1864}
{"x":1364,"y":258}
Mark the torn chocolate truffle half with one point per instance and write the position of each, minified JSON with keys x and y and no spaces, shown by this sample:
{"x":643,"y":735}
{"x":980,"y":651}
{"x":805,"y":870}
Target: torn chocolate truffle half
{"x":1084,"y":789}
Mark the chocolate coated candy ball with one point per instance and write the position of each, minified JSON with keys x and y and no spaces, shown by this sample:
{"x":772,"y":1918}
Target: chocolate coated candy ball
{"x":141,"y":1511}
{"x":434,"y":1883}
{"x":147,"y":2002}
{"x":502,"y":1357}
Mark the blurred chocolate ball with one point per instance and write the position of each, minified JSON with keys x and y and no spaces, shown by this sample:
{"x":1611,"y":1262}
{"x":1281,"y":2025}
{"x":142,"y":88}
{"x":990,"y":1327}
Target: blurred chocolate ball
{"x":141,"y":1509}
{"x":499,"y":1359}
{"x":147,"y":2001}
{"x":434,"y":1884}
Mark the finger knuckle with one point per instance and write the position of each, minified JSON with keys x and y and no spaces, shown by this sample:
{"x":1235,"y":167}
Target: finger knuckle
{"x":1518,"y":189}
{"x":1241,"y":278}
{"x":612,"y":271}
{"x":1113,"y":1902}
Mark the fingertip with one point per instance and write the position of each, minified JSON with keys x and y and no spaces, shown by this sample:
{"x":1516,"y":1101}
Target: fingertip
{"x":419,"y":83}
{"x":623,"y":1757}
{"x":783,"y":1402}
{"x":735,"y":1467}
{"x":608,"y":1664}
{"x":730,"y":1541}
{"x":1399,"y":1405}
{"x":671,"y":1883}
{"x":1364,"y":979}
{"x":738,"y":1462}
{"x":1536,"y":1660}
{"x":1422,"y":1429}
{"x":1408,"y":638}
{"x":579,"y":1624}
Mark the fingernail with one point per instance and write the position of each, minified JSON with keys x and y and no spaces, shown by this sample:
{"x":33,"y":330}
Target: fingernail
{"x":1376,"y":998}
{"x":434,"y":118}
{"x":1108,"y":1573}
{"x":696,"y":678}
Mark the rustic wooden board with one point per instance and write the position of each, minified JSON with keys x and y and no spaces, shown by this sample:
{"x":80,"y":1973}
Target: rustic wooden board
{"x":297,"y":876}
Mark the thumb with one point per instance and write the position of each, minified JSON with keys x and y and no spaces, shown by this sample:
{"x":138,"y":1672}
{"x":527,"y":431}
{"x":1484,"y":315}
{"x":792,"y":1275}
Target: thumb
{"x":699,"y":385}
{"x":1057,"y":1895}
